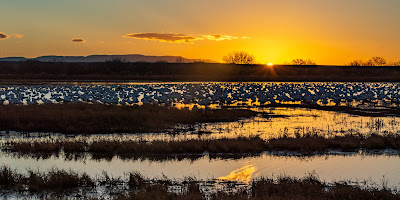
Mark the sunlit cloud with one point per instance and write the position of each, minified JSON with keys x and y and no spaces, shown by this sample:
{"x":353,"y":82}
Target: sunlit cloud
{"x":18,"y":35}
{"x":78,"y":40}
{"x":243,"y":174}
{"x":164,"y":37}
{"x":180,"y":38}
{"x":3,"y":36}
{"x":219,"y":37}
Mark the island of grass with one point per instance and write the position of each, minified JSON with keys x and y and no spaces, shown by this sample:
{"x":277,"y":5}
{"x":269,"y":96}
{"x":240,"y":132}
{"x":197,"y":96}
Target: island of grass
{"x":84,"y":118}
{"x":236,"y":147}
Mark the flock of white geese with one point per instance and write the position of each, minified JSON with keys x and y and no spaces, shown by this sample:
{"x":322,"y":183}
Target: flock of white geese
{"x":205,"y":94}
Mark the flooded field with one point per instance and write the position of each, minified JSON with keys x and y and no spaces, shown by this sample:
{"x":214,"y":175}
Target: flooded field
{"x":284,"y":121}
{"x":379,"y":168}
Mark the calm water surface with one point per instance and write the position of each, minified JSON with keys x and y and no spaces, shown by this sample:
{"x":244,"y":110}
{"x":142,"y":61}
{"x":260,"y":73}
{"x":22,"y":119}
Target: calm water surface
{"x":354,"y":167}
{"x":292,"y":121}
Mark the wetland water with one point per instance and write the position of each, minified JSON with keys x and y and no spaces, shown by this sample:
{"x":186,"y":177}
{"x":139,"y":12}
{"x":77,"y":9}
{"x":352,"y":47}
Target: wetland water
{"x":358,"y":167}
{"x":284,"y":121}
{"x":354,"y":167}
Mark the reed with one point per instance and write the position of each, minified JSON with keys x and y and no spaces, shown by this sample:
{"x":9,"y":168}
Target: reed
{"x":241,"y":146}
{"x":63,"y":184}
{"x":55,"y":180}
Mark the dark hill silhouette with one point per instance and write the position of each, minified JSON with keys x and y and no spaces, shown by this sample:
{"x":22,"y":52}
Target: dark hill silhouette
{"x":104,"y":58}
{"x":13,"y":59}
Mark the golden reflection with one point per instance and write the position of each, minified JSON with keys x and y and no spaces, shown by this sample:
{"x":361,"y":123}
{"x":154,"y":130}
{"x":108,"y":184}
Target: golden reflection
{"x":243,"y":174}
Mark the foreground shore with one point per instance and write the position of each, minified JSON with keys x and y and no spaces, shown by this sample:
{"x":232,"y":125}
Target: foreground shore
{"x":60,"y":184}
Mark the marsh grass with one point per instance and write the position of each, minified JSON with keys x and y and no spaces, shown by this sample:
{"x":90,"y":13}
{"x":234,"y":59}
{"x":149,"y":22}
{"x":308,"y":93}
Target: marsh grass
{"x":65,"y":183}
{"x":55,"y":180}
{"x":311,"y":187}
{"x":241,"y":146}
{"x":9,"y":179}
{"x":238,"y":145}
{"x":281,"y":188}
{"x":99,"y":118}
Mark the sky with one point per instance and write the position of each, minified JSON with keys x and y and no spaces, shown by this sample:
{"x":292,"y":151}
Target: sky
{"x":326,"y":31}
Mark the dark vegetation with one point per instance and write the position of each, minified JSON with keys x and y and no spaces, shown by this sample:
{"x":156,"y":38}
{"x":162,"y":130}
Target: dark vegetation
{"x":99,"y":118}
{"x":240,"y":58}
{"x":124,"y":71}
{"x":302,"y":62}
{"x":374,"y":61}
{"x":285,"y":188}
{"x":312,"y":143}
{"x":59,"y":182}
{"x":305,"y":145}
{"x":55,"y":180}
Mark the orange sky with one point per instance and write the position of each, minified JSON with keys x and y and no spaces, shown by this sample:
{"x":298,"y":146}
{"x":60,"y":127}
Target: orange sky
{"x":329,"y":31}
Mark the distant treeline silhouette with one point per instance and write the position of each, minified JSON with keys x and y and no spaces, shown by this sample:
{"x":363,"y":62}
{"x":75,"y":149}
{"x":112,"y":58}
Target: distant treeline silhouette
{"x":301,"y":62}
{"x":245,"y":58}
{"x":119,"y":69}
{"x":374,"y":61}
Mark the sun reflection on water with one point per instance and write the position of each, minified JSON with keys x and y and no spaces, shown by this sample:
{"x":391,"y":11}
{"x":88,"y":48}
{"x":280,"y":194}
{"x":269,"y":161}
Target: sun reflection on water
{"x":243,"y":174}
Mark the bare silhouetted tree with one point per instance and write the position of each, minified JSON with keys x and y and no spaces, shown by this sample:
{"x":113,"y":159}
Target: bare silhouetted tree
{"x":303,"y":62}
{"x":374,"y":61}
{"x":240,"y":58}
{"x":379,"y":61}
{"x":394,"y":63}
{"x":356,"y":63}
{"x":180,"y":60}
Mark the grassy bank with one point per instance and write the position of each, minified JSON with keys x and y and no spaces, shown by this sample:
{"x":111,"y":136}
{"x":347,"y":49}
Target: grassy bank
{"x":58,"y":184}
{"x":97,"y":118}
{"x":306,"y":145}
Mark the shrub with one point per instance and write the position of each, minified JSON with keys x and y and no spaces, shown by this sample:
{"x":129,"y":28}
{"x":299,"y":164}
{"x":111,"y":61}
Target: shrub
{"x":239,"y":58}
{"x":303,"y":62}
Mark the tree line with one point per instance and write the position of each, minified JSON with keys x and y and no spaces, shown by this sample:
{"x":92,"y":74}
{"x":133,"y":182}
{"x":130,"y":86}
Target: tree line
{"x":374,"y":61}
{"x":245,"y":58}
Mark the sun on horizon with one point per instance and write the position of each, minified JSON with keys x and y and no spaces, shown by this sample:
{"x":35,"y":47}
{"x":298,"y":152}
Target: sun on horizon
{"x":327,"y":32}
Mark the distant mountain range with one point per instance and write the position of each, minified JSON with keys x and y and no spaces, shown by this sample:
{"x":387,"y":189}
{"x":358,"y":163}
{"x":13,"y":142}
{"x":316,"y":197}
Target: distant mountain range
{"x":104,"y":58}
